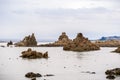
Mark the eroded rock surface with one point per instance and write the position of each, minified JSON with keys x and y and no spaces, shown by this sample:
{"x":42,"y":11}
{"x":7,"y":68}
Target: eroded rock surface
{"x":80,"y":43}
{"x":31,"y":54}
{"x":62,"y":40}
{"x":28,"y":41}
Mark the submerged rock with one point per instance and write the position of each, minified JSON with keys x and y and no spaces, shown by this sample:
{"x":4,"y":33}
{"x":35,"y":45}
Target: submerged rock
{"x":28,"y":41}
{"x":112,"y":73}
{"x":33,"y":54}
{"x":62,"y":40}
{"x":80,"y":43}
{"x":117,"y":50}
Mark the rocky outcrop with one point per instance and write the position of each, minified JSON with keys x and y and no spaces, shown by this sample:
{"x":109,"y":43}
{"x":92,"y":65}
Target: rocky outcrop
{"x":9,"y":43}
{"x":62,"y":40}
{"x":112,"y":73}
{"x":117,"y":50}
{"x":28,"y":41}
{"x":80,"y":43}
{"x":108,"y":43}
{"x":33,"y":54}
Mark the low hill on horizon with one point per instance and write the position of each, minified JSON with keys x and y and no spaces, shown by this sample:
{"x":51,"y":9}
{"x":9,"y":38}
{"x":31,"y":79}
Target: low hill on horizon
{"x":110,"y":38}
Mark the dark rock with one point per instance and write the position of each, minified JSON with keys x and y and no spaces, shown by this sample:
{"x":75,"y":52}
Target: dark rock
{"x":2,"y":46}
{"x":33,"y":54}
{"x":112,"y":73}
{"x":89,"y":72}
{"x":38,"y":75}
{"x":32,"y":75}
{"x":9,"y":43}
{"x":110,"y":77}
{"x":80,"y":43}
{"x":45,"y":55}
{"x":49,"y":75}
{"x":93,"y":73}
{"x":28,"y":41}
{"x":109,"y":72}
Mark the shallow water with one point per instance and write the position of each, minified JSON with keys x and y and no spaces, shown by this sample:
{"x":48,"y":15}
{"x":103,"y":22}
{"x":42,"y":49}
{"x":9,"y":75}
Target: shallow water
{"x":65,"y":65}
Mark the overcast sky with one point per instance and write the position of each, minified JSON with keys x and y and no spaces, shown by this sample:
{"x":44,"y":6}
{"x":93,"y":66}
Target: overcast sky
{"x":49,"y":18}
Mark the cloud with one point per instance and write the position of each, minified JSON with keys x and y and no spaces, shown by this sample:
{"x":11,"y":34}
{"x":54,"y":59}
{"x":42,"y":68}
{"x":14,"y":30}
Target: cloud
{"x":49,"y":18}
{"x":55,"y":21}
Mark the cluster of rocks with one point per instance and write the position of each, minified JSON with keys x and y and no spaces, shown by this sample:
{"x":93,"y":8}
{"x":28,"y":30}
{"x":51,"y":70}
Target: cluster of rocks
{"x":33,"y":75}
{"x":80,"y":43}
{"x":33,"y":54}
{"x":62,"y":40}
{"x":111,"y":74}
{"x":117,"y":50}
{"x":108,"y":43}
{"x":28,"y":41}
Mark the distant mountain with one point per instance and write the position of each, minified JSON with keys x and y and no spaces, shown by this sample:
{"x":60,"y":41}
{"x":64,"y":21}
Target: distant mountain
{"x":110,"y":38}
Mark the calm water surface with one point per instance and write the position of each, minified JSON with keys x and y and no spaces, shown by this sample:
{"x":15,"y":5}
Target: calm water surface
{"x":65,"y":65}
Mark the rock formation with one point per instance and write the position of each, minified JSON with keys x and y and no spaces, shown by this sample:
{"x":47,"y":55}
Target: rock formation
{"x":62,"y":40}
{"x":108,"y":43}
{"x":9,"y":43}
{"x":111,"y":74}
{"x":28,"y":41}
{"x":117,"y":50}
{"x":32,"y":75}
{"x":33,"y":54}
{"x":80,"y":43}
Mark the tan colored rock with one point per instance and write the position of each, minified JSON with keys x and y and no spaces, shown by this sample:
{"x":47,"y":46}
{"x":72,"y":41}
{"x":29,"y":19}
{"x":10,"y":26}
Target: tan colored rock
{"x":28,"y":41}
{"x":80,"y":43}
{"x":62,"y":40}
{"x":117,"y":50}
{"x":33,"y":54}
{"x":108,"y":43}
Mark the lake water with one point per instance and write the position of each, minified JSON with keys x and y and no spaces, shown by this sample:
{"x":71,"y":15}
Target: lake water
{"x":65,"y":65}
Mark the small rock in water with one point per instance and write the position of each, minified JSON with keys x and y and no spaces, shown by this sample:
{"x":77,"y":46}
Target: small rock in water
{"x":89,"y":72}
{"x":32,"y":75}
{"x":93,"y":73}
{"x":31,"y":54}
{"x":49,"y":75}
